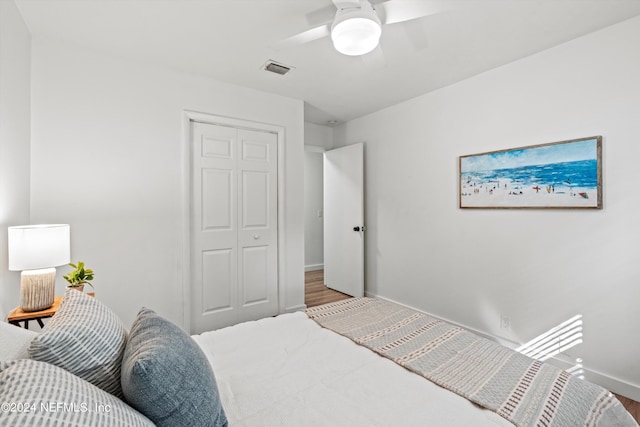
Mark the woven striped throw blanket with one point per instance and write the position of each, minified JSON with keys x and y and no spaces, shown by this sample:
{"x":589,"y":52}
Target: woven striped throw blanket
{"x":522,"y":390}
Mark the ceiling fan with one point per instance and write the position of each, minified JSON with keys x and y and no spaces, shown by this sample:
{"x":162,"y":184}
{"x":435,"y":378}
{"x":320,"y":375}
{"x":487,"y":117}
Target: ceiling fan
{"x":356,"y":26}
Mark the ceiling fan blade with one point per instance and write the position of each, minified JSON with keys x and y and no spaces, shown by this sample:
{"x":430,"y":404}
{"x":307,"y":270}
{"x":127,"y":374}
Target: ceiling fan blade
{"x":374,"y":59}
{"x":302,"y":38}
{"x":393,"y":12}
{"x":321,"y":16}
{"x":341,"y":4}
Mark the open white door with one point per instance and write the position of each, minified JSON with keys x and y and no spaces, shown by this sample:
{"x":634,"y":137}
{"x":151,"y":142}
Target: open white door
{"x":344,"y":220}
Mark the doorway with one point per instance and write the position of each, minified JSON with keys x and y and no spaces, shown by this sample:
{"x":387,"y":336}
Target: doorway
{"x":334,"y":238}
{"x":316,"y":292}
{"x":313,"y":209}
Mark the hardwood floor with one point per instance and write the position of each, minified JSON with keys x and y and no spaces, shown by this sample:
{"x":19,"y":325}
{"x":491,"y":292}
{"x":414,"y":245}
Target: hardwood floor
{"x":632,"y":406}
{"x":316,"y":293}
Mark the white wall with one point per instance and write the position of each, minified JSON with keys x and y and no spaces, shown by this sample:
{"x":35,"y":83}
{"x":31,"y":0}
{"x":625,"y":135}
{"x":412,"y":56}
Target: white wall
{"x":107,"y":150}
{"x":538,"y":267}
{"x":317,"y":138}
{"x":15,"y":60}
{"x":313,"y":211}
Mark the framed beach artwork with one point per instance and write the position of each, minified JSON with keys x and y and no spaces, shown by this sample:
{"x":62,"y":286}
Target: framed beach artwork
{"x":565,"y":174}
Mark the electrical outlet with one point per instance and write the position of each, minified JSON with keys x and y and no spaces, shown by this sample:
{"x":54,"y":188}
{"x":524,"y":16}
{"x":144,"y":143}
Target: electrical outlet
{"x":505,"y":323}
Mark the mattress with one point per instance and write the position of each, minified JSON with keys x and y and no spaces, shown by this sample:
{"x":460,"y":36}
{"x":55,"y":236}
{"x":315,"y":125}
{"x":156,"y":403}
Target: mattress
{"x":289,"y":371}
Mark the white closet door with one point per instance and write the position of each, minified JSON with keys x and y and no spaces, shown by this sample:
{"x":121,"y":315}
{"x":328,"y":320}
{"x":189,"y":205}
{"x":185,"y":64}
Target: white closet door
{"x":257,"y":224}
{"x":233,"y":226}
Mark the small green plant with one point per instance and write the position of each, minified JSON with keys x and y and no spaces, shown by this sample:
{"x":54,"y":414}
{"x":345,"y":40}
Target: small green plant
{"x":79,"y":276}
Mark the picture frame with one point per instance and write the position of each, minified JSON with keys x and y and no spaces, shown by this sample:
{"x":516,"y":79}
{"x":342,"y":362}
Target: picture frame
{"x":556,"y":175}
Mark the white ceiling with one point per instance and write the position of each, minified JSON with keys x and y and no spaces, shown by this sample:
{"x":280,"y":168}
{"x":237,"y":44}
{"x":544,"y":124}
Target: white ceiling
{"x":230,"y":40}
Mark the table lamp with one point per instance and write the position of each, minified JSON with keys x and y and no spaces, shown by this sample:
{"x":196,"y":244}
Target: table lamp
{"x":36,"y":250}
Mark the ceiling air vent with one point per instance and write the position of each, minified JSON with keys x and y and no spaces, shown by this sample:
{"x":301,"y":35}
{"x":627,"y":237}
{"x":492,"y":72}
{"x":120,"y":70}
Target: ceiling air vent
{"x":276,"y":67}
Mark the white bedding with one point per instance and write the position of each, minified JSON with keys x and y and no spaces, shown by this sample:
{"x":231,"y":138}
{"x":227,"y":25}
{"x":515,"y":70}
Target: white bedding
{"x":288,"y":371}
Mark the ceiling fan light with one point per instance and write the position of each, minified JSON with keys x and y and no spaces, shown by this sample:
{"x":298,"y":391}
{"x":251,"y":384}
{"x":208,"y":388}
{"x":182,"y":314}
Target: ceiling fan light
{"x":356,"y":36}
{"x":356,"y":30}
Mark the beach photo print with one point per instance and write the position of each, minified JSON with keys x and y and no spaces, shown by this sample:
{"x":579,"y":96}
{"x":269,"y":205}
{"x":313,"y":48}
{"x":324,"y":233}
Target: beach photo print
{"x":565,"y":174}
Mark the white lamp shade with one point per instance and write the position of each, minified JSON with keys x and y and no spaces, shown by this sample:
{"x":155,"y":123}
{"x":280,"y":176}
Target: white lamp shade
{"x":39,"y":246}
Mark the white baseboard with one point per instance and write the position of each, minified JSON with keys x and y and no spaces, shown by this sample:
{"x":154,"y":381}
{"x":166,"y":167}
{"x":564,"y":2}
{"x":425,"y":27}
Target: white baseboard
{"x":504,"y":341}
{"x":295,"y":308}
{"x":615,"y":385}
{"x":314,"y":267}
{"x":618,"y":386}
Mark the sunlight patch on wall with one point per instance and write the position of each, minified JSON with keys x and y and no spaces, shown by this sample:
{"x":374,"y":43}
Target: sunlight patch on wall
{"x":555,"y":341}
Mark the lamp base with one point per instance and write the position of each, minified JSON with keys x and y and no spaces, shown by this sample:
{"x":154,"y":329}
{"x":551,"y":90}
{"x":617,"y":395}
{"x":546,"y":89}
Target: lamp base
{"x":37,"y":289}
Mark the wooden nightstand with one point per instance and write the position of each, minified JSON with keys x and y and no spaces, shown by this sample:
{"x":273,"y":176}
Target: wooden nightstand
{"x":18,"y":315}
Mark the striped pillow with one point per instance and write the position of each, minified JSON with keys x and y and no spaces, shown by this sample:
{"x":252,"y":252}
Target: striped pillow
{"x":86,"y":338}
{"x":37,"y":394}
{"x":15,"y":341}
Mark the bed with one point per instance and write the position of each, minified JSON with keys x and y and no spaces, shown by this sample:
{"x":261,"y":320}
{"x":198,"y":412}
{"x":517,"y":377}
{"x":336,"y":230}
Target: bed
{"x":369,"y":362}
{"x":334,"y":365}
{"x":289,"y":371}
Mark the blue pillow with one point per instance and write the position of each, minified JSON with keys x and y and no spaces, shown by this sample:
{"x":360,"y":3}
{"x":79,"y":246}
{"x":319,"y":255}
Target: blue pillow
{"x":167,"y":377}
